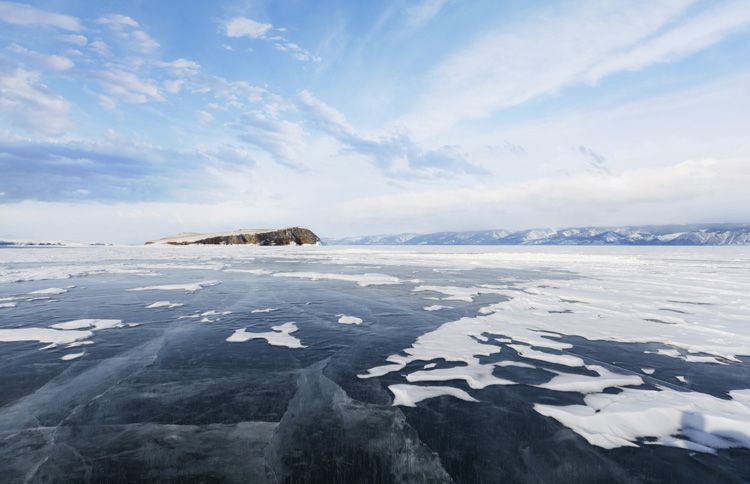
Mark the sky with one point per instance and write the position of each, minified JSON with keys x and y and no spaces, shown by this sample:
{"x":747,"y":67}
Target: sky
{"x":123,"y":121}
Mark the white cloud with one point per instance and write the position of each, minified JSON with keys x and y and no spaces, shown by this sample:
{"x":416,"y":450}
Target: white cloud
{"x":173,"y":86}
{"x":228,"y":154}
{"x":22,"y":14}
{"x":29,"y":105}
{"x":205,"y":117}
{"x":79,"y":40}
{"x":679,"y":41}
{"x":242,"y":95}
{"x":127,"y":29}
{"x":395,"y":154}
{"x":101,"y":48}
{"x":574,"y":199}
{"x":106,"y":101}
{"x":57,"y":63}
{"x":116,"y":20}
{"x":283,"y":139}
{"x":296,"y":51}
{"x":43,"y":61}
{"x":180,"y":67}
{"x":246,"y":27}
{"x":128,"y":87}
{"x":326,"y":117}
{"x":572,"y":43}
{"x":180,"y":64}
{"x":423,"y":12}
{"x":104,"y":222}
{"x":216,"y":107}
{"x":142,"y":42}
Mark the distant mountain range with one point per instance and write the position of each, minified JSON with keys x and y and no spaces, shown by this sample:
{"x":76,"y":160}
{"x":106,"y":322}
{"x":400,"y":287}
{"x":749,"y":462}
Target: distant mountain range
{"x":47,"y":243}
{"x":708,"y":234}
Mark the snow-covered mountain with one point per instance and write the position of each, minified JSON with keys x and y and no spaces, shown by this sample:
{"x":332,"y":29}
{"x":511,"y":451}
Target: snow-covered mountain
{"x":709,"y":234}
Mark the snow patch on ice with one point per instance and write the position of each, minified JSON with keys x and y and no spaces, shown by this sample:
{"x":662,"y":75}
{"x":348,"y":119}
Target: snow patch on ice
{"x":475,"y":375}
{"x":207,"y":316}
{"x":264,"y":310}
{"x":164,"y":304}
{"x":409,"y":395}
{"x":50,"y":291}
{"x":344,"y":319}
{"x":572,"y":382}
{"x":561,"y":359}
{"x":52,"y":337}
{"x":257,"y":272}
{"x":93,"y":324}
{"x":279,"y":336}
{"x":190,"y":287}
{"x":72,"y":356}
{"x":689,"y":420}
{"x":436,"y":307}
{"x":456,"y":293}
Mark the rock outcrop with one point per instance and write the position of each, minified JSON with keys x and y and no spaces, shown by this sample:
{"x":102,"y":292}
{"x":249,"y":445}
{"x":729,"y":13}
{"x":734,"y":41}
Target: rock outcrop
{"x":288,"y":236}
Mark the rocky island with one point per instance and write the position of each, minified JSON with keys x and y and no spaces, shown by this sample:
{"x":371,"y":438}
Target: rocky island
{"x":287,"y":236}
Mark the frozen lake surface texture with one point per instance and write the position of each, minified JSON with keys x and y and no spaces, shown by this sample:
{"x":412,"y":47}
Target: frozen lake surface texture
{"x":357,"y":365}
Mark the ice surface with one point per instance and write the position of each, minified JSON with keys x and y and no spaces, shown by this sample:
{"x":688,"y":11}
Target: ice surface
{"x":369,"y":279}
{"x":344,"y":319}
{"x":279,"y":336}
{"x":54,"y":272}
{"x":541,"y":321}
{"x":623,"y":301}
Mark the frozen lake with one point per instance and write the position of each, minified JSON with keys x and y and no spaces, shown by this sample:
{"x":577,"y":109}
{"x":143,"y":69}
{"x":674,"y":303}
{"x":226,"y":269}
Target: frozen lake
{"x":359,"y":364}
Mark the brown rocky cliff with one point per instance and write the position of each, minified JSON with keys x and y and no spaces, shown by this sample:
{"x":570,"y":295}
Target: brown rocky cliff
{"x":288,"y":236}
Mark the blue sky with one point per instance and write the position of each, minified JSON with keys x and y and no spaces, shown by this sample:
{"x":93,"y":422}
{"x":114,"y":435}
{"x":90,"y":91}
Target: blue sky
{"x":123,"y":121}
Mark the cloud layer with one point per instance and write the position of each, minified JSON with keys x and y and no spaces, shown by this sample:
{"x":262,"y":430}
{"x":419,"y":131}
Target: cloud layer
{"x":371,"y":118}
